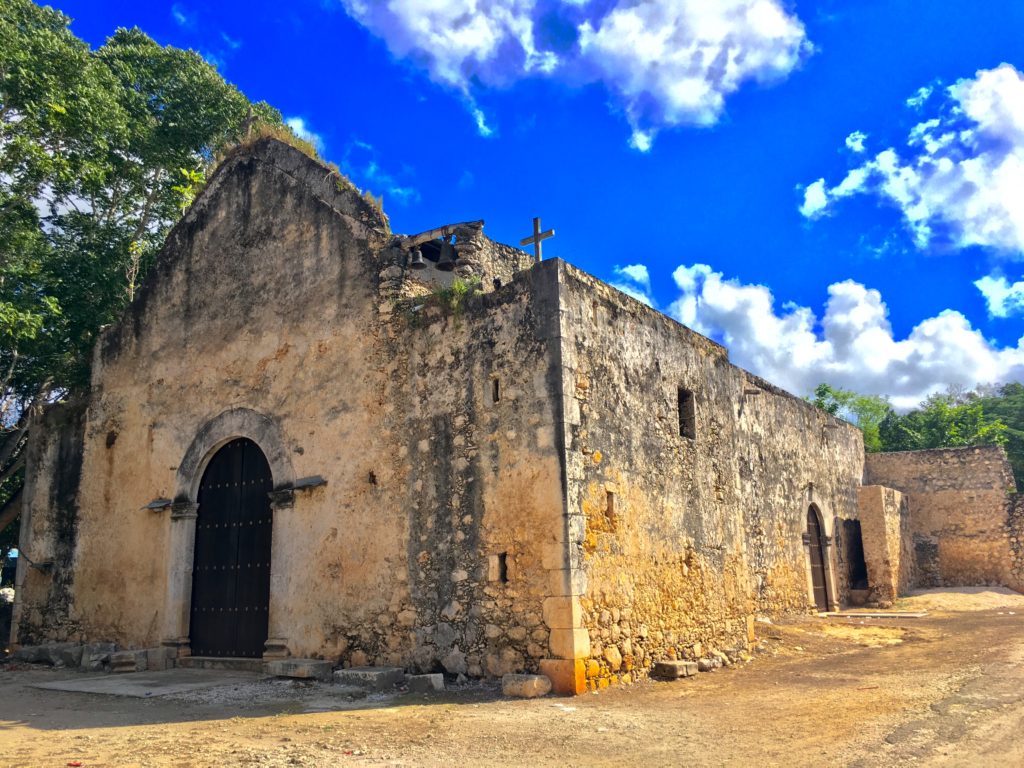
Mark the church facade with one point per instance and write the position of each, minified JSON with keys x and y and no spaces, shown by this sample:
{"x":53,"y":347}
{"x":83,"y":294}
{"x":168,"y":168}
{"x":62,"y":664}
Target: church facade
{"x":311,"y":438}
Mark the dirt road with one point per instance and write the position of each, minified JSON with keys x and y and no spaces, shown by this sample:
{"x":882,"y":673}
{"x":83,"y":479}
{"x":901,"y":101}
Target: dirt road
{"x":944,"y":690}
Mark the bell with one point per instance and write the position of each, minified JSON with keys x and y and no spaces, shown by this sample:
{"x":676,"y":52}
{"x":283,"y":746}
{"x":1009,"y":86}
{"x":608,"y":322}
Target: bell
{"x":446,"y":263}
{"x":416,"y":260}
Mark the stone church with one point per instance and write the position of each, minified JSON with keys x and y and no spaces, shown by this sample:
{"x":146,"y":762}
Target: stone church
{"x":311,"y":438}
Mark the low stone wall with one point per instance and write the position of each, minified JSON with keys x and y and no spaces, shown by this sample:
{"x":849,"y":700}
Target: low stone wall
{"x":888,"y":549}
{"x":957,"y":500}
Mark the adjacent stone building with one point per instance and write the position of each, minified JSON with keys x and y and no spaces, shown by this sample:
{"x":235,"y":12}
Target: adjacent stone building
{"x":308,"y":437}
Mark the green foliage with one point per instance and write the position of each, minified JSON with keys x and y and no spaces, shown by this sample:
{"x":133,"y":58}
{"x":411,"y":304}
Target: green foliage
{"x":1006,"y":403}
{"x":947,"y":420}
{"x":453,"y":298}
{"x":991,"y":415}
{"x":100,"y":152}
{"x":192,"y":182}
{"x":865,"y":411}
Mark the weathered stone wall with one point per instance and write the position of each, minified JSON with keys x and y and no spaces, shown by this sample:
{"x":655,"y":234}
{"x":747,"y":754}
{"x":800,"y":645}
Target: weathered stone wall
{"x":50,"y":514}
{"x":677,"y":543}
{"x":275,"y":314}
{"x":474,"y":389}
{"x":957,"y":499}
{"x":1015,"y":534}
{"x":888,"y":544}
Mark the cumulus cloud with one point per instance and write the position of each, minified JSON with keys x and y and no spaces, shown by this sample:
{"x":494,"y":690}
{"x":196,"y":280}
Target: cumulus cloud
{"x":457,"y":40}
{"x":667,"y":62}
{"x":960,"y":180}
{"x":852,"y":345}
{"x":674,"y":63}
{"x":634,"y":280}
{"x":300,"y":129}
{"x":1002,"y":297}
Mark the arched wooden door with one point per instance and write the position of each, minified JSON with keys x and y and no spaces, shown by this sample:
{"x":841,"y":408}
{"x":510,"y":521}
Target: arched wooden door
{"x":817,"y":547}
{"x":231,"y":567}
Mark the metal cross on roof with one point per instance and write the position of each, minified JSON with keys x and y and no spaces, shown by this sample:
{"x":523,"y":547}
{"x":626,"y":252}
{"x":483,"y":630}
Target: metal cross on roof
{"x":536,"y":238}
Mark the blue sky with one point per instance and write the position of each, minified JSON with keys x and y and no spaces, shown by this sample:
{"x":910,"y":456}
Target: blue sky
{"x":833,"y":189}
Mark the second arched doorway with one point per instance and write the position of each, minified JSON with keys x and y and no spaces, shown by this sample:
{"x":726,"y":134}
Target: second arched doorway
{"x":819,"y":574}
{"x":231,"y":567}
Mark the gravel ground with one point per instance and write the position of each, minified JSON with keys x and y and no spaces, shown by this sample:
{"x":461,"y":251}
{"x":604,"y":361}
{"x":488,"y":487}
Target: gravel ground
{"x":943,"y":690}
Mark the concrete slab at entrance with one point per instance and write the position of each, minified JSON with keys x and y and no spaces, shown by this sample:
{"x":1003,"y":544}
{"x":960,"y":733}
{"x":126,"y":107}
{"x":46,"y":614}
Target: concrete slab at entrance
{"x":144,"y":685}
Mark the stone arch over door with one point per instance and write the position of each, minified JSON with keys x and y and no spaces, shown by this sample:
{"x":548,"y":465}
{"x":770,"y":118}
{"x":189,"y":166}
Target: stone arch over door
{"x":233,"y":424}
{"x":220,"y":430}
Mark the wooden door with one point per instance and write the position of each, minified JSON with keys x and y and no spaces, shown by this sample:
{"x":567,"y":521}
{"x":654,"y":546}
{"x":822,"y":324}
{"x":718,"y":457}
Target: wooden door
{"x":817,"y":560}
{"x":231,"y":568}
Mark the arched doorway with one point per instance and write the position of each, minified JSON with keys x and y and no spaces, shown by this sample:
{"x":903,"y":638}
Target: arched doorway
{"x":816,"y":543}
{"x":231,"y":566}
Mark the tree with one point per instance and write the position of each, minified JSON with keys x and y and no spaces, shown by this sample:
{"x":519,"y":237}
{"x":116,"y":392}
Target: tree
{"x":1006,"y":403}
{"x":100,"y":150}
{"x":947,"y":420}
{"x":865,"y":411}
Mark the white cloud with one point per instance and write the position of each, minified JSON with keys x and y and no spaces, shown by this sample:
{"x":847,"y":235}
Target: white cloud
{"x":1002,"y":297}
{"x":851,"y":346}
{"x":634,"y":280}
{"x":855,"y":141}
{"x":457,"y":40}
{"x":920,"y":97}
{"x":300,"y":129}
{"x":673,"y":62}
{"x":481,"y":122}
{"x":960,"y":180}
{"x":815,"y":199}
{"x":667,"y":62}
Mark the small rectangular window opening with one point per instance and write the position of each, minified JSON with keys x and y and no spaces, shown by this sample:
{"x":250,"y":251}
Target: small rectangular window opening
{"x":495,"y":391}
{"x":503,"y":567}
{"x":609,"y":508}
{"x":687,"y":414}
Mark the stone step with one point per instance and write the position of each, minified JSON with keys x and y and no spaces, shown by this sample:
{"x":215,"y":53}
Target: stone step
{"x":371,"y":678}
{"x":302,"y":669}
{"x":128,"y":661}
{"x":217,"y":662}
{"x":673,"y":670}
{"x":426,"y":683}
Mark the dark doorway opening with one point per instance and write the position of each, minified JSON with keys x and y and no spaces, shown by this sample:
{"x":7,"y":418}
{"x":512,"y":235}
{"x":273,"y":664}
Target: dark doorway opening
{"x":231,"y":567}
{"x":816,"y":542}
{"x":858,"y":569}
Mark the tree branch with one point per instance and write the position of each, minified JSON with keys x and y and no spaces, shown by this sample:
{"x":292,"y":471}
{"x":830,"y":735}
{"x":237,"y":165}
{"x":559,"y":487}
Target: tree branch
{"x":10,"y":511}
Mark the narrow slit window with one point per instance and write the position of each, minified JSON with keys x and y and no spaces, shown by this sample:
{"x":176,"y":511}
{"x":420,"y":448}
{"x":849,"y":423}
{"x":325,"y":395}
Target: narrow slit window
{"x":687,"y":414}
{"x":609,"y":508}
{"x":495,"y":391}
{"x":503,"y":567}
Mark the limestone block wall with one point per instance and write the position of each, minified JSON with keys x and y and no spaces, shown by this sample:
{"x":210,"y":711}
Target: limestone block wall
{"x":888,"y":545}
{"x":957,"y":499}
{"x":678,"y":541}
{"x":473,"y":390}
